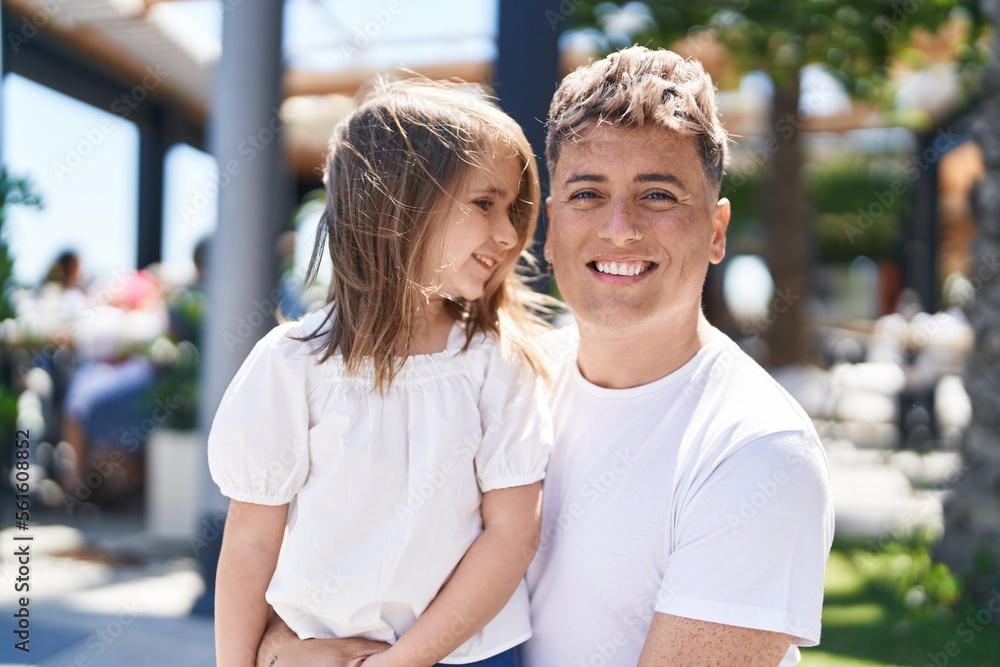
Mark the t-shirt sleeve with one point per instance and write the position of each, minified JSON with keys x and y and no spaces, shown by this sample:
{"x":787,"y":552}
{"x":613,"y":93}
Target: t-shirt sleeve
{"x":752,"y":540}
{"x":517,"y":426}
{"x":258,"y":443}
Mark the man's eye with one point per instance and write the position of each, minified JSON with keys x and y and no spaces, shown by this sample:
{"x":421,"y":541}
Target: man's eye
{"x":584,"y":194}
{"x":661,"y":196}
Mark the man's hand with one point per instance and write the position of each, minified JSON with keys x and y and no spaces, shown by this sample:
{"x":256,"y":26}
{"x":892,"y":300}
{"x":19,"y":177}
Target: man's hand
{"x":281,"y":648}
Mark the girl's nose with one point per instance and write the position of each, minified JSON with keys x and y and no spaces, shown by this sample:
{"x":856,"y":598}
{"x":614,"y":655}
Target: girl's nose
{"x":504,"y":233}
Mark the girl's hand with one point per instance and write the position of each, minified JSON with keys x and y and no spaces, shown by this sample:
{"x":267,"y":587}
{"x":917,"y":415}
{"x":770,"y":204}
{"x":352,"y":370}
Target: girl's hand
{"x":394,"y":657}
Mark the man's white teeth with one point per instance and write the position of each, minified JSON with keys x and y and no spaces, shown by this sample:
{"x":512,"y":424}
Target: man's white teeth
{"x":622,"y":269}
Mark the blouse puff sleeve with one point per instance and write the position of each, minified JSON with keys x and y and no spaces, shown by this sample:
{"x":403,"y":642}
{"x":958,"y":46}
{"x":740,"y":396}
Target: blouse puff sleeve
{"x":517,"y":425}
{"x":257,"y":446}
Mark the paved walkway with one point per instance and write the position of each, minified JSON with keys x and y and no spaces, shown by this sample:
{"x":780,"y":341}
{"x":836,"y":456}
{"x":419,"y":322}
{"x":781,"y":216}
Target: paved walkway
{"x":115,"y":599}
{"x":103,"y":594}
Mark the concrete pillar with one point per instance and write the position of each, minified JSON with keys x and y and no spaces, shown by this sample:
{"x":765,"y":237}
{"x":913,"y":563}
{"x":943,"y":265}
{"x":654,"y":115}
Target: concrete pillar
{"x":245,"y":137}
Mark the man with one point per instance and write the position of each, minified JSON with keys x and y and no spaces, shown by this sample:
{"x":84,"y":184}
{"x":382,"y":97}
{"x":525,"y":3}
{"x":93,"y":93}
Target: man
{"x":687,"y":517}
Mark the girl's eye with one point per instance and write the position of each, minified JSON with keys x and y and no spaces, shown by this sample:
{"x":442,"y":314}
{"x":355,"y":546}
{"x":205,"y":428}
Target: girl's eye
{"x":483,"y":204}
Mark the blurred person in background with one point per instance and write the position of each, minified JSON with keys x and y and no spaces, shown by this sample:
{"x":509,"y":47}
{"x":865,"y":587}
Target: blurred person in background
{"x":107,"y":403}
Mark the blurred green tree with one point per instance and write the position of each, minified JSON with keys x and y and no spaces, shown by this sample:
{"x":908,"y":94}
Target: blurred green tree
{"x":856,"y":41}
{"x":839,"y":191}
{"x":13,"y":192}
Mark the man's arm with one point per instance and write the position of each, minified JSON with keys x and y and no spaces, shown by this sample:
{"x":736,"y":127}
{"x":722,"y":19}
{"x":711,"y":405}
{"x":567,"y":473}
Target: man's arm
{"x":732,"y":564}
{"x":675,"y":641}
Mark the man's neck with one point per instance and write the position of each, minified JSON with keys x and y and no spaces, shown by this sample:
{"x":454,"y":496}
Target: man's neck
{"x":620,"y":358}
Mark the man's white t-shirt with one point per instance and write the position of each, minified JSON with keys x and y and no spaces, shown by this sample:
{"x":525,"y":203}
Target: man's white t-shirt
{"x":704,"y":494}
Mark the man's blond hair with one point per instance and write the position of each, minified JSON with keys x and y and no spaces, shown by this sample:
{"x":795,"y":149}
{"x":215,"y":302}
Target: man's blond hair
{"x":636,"y":87}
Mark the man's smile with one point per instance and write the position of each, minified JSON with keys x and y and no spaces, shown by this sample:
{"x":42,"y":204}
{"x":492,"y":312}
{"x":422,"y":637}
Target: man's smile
{"x":622,"y":268}
{"x":621,"y":271}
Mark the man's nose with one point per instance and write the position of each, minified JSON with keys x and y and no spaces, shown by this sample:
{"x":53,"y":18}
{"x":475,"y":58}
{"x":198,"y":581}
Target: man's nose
{"x":618,"y":227}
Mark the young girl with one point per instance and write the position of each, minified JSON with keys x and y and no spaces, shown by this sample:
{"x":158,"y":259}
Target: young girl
{"x":396,"y":438}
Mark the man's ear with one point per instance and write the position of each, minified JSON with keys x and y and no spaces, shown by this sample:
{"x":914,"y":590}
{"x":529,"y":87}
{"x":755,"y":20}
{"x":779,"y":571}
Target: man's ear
{"x":720,"y":223}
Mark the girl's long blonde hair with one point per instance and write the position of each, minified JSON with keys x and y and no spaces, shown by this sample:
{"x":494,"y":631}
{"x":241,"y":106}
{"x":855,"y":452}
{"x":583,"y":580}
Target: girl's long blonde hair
{"x":391,"y":163}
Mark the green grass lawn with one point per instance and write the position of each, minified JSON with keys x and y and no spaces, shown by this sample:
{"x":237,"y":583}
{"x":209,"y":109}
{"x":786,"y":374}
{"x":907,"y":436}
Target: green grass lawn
{"x":897,"y":609}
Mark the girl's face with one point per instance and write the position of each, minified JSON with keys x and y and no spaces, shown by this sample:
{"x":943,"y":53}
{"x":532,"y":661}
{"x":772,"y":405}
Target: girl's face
{"x":469,"y":240}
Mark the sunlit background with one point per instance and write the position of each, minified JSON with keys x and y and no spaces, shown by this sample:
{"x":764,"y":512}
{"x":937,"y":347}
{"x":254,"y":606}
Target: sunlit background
{"x":856,"y":273}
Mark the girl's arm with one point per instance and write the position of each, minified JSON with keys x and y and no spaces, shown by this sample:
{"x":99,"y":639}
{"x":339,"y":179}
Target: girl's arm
{"x":480,"y":586}
{"x":250,"y":546}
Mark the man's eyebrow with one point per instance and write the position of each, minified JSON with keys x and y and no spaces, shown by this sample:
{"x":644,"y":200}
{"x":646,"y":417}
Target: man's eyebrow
{"x":595,"y":178}
{"x":641,"y":178}
{"x":660,"y":178}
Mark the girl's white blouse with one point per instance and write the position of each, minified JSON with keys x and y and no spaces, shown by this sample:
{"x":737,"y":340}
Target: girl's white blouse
{"x":385,"y":489}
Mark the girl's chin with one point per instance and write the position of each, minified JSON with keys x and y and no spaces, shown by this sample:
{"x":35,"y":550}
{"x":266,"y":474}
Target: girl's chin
{"x":473,"y":296}
{"x":469,"y":294}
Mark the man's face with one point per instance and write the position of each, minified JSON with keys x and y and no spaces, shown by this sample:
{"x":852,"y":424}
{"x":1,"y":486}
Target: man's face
{"x":634,"y":223}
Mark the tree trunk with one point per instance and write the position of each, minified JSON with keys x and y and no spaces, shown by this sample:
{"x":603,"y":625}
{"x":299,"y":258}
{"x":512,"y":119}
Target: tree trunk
{"x":788,"y":249}
{"x":971,"y":542}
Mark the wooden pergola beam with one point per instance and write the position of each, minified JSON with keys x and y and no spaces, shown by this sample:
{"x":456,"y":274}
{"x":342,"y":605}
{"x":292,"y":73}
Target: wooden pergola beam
{"x":299,"y":82}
